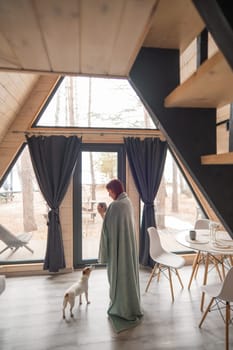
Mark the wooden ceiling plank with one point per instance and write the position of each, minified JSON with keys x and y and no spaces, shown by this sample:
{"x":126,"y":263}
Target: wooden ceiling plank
{"x":20,"y":28}
{"x":98,"y":37}
{"x":134,"y":26}
{"x":176,"y":23}
{"x":60,"y":24}
{"x":100,"y":21}
{"x":211,"y":86}
{"x":7,"y":56}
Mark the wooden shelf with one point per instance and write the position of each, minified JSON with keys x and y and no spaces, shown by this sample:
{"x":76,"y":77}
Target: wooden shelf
{"x":211,"y":86}
{"x":216,"y":159}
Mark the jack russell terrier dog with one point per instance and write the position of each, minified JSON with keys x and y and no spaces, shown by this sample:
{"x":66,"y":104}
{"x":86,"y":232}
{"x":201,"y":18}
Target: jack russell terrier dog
{"x":76,"y":289}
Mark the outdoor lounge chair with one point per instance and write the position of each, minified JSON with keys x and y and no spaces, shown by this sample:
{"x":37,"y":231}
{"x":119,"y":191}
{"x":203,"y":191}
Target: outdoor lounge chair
{"x":14,"y":242}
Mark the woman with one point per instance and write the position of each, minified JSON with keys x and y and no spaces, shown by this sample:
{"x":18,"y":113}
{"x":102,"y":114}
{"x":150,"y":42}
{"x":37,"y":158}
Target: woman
{"x":118,"y":250}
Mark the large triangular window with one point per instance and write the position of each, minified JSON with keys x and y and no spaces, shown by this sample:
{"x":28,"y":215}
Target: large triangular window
{"x":95,"y":102}
{"x":111,"y":104}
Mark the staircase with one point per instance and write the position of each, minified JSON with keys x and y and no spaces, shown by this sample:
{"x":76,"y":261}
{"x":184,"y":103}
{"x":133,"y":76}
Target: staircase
{"x":187,"y":100}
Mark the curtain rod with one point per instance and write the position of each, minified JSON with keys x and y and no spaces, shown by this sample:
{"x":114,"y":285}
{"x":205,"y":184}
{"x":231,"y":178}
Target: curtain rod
{"x":154,"y":133}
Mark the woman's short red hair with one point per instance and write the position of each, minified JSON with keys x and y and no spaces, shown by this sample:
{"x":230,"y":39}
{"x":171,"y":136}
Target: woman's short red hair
{"x":116,"y":186}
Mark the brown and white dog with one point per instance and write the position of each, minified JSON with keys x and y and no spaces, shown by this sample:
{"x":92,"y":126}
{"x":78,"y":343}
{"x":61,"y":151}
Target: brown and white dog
{"x":76,"y":289}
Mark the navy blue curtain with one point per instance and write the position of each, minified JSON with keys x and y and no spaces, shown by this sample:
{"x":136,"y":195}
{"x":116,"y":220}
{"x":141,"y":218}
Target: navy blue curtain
{"x":146,"y":159}
{"x":53,"y":159}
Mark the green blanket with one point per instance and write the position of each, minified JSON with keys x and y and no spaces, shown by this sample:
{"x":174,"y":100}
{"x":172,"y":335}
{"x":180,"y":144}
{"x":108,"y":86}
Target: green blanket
{"x":118,"y":250}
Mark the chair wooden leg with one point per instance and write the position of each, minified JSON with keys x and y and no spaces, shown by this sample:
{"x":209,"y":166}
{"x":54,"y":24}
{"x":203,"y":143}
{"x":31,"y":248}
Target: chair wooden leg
{"x":170,"y":280}
{"x":227,"y":320}
{"x":159,"y":270}
{"x":194,"y":268}
{"x":227,"y":325}
{"x":151,"y":276}
{"x":206,"y":312}
{"x":200,"y":258}
{"x":217,"y":268}
{"x":205,"y":280}
{"x":223,"y":267}
{"x":178,"y":275}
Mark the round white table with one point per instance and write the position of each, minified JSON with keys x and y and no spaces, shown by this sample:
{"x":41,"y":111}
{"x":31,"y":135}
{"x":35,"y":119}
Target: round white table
{"x":216,"y":252}
{"x":223,"y":244}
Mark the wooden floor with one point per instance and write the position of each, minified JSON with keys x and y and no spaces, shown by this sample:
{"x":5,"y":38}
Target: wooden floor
{"x":31,"y":316}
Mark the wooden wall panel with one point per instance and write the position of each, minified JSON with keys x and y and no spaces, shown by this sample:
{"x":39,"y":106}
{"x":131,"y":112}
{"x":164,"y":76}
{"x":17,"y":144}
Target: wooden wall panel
{"x":66,"y":217}
{"x":222,"y":133}
{"x":14,"y":89}
{"x":222,"y":136}
{"x":14,"y":138}
{"x":223,"y":113}
{"x":134,"y":197}
{"x":212,"y":46}
{"x":188,"y":61}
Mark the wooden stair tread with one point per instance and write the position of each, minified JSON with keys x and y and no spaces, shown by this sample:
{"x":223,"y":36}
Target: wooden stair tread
{"x":217,"y":159}
{"x":174,"y":25}
{"x":211,"y":86}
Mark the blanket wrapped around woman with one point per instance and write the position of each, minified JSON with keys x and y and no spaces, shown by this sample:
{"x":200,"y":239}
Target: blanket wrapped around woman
{"x":118,"y":250}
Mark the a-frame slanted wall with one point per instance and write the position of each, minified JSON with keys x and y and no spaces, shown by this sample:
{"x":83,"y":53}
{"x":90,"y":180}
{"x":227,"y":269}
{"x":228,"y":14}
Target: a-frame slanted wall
{"x":190,"y":131}
{"x":15,"y":138}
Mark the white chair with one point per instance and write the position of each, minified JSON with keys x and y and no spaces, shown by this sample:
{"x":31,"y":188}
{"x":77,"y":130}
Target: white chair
{"x":163,"y":260}
{"x":222,"y":295}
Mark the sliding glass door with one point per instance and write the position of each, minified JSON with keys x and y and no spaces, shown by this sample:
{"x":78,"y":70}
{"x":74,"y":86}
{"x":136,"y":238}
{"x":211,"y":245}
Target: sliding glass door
{"x":97,"y":165}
